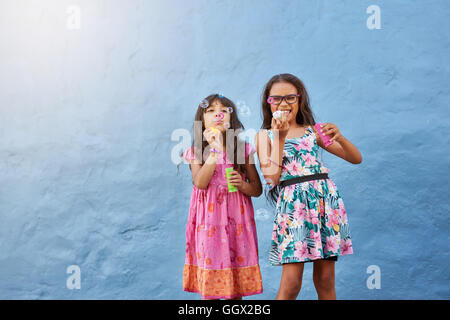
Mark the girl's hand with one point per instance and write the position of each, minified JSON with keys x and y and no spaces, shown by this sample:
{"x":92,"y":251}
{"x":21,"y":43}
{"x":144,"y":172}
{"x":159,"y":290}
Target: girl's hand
{"x":214,"y":139}
{"x":332,"y":130}
{"x":236,"y":179}
{"x":281,"y":125}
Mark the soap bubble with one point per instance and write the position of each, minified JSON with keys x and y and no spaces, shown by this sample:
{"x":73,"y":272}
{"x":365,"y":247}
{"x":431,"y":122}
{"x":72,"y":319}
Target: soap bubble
{"x":243,"y":109}
{"x":230,"y":110}
{"x":262,"y":214}
{"x":220,"y":116}
{"x":278,"y":115}
{"x":204,"y":104}
{"x":226,"y":125}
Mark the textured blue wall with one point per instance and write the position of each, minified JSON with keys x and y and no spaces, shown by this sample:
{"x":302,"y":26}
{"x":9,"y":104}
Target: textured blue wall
{"x":89,"y":98}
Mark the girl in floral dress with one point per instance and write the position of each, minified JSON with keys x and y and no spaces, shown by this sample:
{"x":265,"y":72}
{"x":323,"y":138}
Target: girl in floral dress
{"x":221,"y":241}
{"x":310,"y":222}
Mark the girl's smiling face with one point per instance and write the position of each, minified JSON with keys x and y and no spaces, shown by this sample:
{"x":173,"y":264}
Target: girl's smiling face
{"x":217,"y":115}
{"x":284,"y":89}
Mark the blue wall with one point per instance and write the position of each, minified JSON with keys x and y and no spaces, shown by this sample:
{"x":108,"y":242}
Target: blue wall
{"x":88,"y":106}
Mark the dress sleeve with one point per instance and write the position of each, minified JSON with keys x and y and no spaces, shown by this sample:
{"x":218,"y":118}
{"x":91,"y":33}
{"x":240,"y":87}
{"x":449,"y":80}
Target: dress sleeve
{"x":188,"y":154}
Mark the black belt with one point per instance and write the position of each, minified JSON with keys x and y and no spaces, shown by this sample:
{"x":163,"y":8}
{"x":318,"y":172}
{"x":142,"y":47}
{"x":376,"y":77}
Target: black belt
{"x":295,"y":180}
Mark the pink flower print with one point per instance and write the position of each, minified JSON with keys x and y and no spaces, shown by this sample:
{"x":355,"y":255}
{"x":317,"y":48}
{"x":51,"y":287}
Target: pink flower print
{"x":343,"y":213}
{"x":301,"y":251}
{"x":299,"y":206}
{"x":332,"y":220}
{"x":346,"y":247}
{"x":298,"y":147}
{"x":315,"y":236}
{"x":334,"y":217}
{"x":309,"y":159}
{"x":299,"y":213}
{"x":299,"y":216}
{"x":315,"y":184}
{"x":221,"y":194}
{"x":314,"y":212}
{"x":306,"y":144}
{"x":332,"y":244}
{"x":310,"y":214}
{"x":283,"y":223}
{"x":295,"y":168}
{"x":315,"y":253}
{"x":331,"y":183}
{"x":332,"y":189}
{"x":292,"y":167}
{"x":288,"y":192}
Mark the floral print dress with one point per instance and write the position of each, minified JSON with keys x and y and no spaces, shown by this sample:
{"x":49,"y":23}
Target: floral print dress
{"x":310,"y":221}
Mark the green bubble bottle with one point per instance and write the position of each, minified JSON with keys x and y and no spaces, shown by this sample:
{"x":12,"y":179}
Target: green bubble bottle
{"x":231,"y":188}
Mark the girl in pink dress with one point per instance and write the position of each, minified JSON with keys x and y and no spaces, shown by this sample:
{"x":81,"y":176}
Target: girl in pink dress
{"x":221,"y":243}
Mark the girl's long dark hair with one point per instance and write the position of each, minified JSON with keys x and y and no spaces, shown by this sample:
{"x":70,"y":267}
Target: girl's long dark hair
{"x":304,"y":116}
{"x":235,"y":124}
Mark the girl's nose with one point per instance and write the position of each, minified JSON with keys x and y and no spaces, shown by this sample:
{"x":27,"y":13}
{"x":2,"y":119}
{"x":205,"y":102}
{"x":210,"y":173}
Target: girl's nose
{"x":283,"y":104}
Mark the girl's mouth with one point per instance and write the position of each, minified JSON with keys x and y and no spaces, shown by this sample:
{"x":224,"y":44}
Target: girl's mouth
{"x":287,"y":112}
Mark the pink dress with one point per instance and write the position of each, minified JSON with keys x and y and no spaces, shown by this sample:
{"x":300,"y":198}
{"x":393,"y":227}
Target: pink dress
{"x":221,"y":244}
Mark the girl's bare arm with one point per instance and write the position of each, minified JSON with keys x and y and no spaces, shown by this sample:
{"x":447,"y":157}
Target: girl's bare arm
{"x":270,"y":158}
{"x":341,"y":147}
